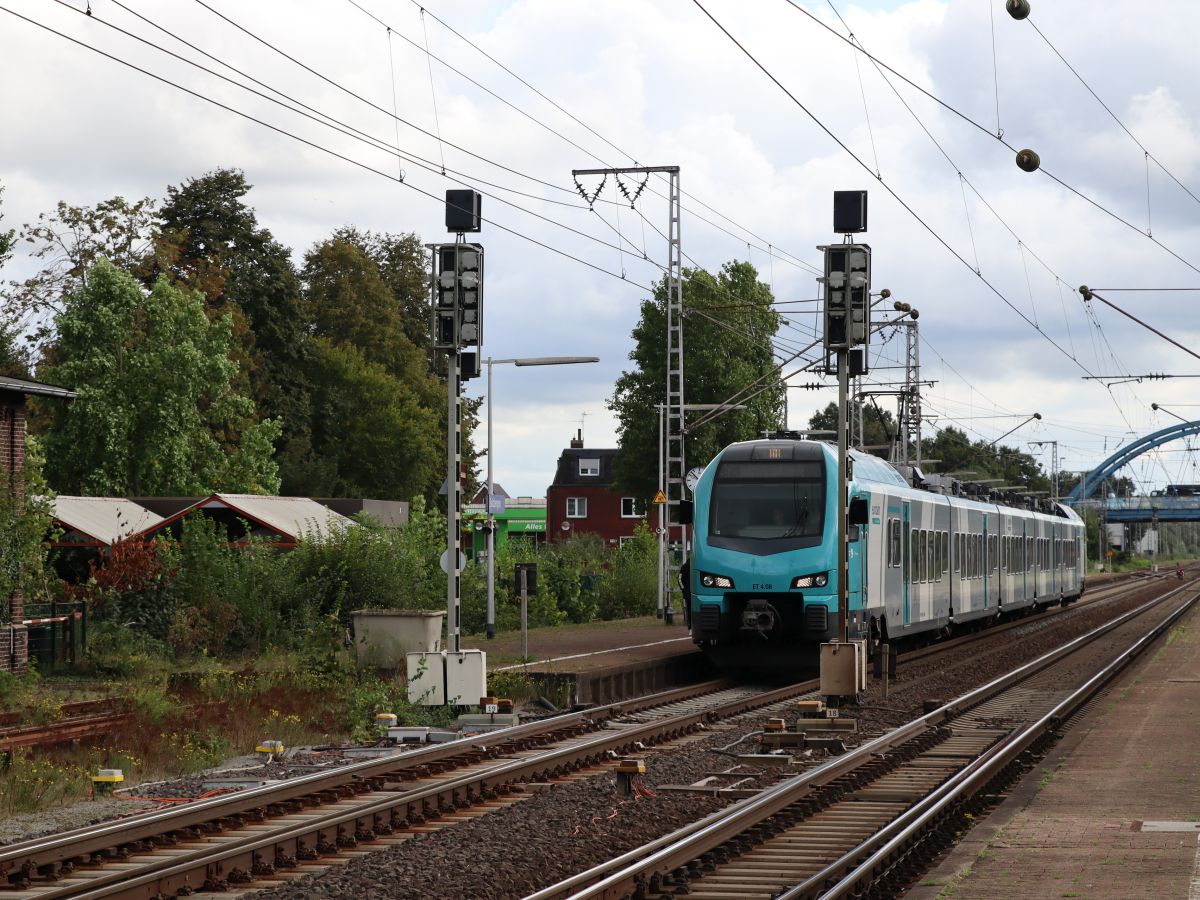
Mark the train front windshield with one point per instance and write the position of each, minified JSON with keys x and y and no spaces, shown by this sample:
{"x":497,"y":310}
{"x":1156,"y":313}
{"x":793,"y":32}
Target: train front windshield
{"x":768,"y":500}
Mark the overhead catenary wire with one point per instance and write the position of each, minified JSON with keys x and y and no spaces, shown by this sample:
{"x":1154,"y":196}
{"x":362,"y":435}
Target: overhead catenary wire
{"x":354,"y":133}
{"x":432,"y":90}
{"x":999,"y":138}
{"x":341,"y":124}
{"x":966,"y":182}
{"x":312,"y":144}
{"x":1088,"y":293}
{"x":768,"y":247}
{"x":1148,"y":155}
{"x":400,"y":179}
{"x":912,"y":212}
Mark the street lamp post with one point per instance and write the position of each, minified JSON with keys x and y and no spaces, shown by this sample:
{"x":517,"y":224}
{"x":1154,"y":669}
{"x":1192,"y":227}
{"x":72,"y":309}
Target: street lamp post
{"x":491,"y":530}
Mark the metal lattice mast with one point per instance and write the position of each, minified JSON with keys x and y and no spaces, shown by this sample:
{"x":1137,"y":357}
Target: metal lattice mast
{"x":673,"y":409}
{"x":910,"y":401}
{"x":857,"y":427}
{"x":675,"y":400}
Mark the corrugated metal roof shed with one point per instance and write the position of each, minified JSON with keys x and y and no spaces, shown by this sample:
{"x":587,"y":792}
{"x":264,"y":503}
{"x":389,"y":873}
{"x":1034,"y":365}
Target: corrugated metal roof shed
{"x":105,"y":520}
{"x":288,"y":517}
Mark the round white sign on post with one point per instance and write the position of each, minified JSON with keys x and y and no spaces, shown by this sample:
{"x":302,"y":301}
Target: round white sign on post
{"x":445,"y":561}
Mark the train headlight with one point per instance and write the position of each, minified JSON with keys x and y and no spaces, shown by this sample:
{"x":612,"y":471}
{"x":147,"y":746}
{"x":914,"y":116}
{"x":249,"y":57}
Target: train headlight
{"x":820,"y":579}
{"x":715,"y":581}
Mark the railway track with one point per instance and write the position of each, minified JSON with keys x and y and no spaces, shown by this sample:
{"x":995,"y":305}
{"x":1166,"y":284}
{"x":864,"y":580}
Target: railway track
{"x":81,"y":720}
{"x":230,"y":840}
{"x":866,"y":823}
{"x":271,"y":832}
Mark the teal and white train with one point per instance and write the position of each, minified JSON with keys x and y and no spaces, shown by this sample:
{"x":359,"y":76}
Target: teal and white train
{"x":762,"y":576}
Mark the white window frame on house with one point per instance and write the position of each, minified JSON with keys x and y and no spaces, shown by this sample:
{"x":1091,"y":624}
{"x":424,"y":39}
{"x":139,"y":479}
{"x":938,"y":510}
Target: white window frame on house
{"x":622,"y":541}
{"x":589,"y":467}
{"x":632,"y":504}
{"x":577,"y":507}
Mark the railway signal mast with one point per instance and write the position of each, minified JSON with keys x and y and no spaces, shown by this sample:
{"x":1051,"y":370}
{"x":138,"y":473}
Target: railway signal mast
{"x":457,"y":308}
{"x":847,"y":301}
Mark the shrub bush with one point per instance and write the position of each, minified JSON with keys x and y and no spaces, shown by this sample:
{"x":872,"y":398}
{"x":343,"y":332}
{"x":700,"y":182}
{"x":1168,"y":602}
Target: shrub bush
{"x":631,"y":587}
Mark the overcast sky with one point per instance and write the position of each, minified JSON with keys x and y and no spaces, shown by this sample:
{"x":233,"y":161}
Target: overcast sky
{"x":657,"y":82}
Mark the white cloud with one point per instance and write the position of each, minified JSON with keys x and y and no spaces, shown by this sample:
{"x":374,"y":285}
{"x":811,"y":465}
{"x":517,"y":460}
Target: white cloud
{"x":659,"y":81}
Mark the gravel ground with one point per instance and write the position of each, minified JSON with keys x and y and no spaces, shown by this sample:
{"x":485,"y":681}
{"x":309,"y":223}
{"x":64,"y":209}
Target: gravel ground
{"x":36,"y":824}
{"x":573,"y":826}
{"x":570,"y":826}
{"x":127,"y":802}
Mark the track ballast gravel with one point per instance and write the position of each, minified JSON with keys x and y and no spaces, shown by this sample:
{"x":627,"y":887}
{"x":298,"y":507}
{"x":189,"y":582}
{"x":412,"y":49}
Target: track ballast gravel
{"x":569,"y":827}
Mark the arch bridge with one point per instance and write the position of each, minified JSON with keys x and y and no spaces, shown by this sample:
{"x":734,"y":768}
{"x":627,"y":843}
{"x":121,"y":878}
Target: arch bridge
{"x":1138,"y":509}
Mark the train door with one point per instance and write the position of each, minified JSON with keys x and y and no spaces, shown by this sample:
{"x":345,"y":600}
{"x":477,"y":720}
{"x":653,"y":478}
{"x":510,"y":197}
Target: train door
{"x":1023,"y":561}
{"x":1055,"y":562}
{"x":987,"y":586}
{"x":905,"y":562}
{"x":893,"y":573}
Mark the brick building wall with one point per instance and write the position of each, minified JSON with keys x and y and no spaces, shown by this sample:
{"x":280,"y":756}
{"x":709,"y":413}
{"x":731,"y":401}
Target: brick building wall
{"x":14,"y":641}
{"x":584,"y":500}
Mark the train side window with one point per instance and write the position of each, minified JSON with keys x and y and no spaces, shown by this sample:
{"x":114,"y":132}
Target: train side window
{"x":917,"y":556}
{"x":893,"y":542}
{"x":945,"y":552}
{"x":994,"y":553}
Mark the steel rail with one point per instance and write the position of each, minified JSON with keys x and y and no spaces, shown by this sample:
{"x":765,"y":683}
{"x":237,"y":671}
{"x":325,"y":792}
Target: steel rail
{"x":906,"y":828}
{"x":27,"y":855}
{"x":137,"y":830}
{"x":686,"y":844}
{"x":215,"y":865}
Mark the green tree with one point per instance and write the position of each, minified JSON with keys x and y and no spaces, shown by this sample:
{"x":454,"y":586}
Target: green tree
{"x":348,"y":302}
{"x":367,"y":292}
{"x":156,"y":408}
{"x":879,"y":426}
{"x":210,"y":240}
{"x":974,"y":460}
{"x":7,"y":238}
{"x":66,"y":242}
{"x":13,"y":359}
{"x":728,"y":328}
{"x":373,"y":434}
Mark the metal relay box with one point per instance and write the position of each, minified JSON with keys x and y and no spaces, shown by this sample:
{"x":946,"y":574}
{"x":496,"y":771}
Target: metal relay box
{"x":466,"y":677}
{"x":427,"y":678}
{"x":843,"y":668}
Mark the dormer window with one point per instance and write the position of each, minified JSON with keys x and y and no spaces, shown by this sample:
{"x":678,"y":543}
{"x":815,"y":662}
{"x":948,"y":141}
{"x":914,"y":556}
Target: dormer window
{"x":589,"y":467}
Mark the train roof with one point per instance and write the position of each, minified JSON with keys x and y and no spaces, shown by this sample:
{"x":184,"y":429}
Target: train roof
{"x":870,"y":469}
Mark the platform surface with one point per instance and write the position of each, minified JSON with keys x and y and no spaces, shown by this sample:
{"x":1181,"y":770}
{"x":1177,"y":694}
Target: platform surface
{"x":583,"y":648}
{"x":1113,"y":811}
